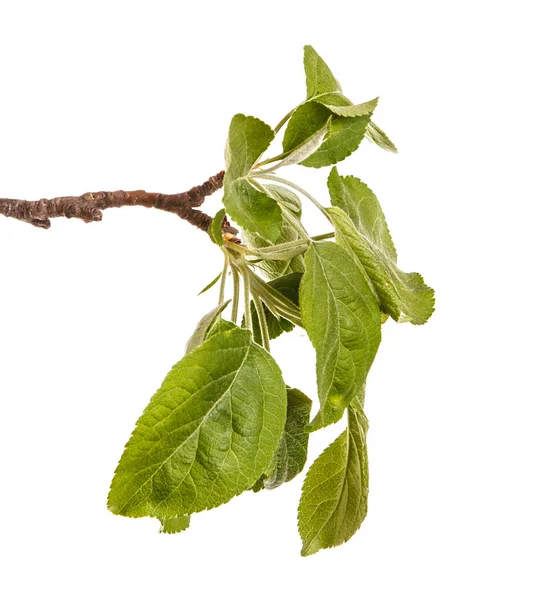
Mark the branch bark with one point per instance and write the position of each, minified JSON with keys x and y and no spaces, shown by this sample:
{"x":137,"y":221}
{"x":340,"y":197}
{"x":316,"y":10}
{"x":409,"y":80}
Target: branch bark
{"x":89,"y":206}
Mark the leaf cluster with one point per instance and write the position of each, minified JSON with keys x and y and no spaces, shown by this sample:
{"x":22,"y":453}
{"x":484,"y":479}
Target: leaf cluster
{"x":224,"y":421}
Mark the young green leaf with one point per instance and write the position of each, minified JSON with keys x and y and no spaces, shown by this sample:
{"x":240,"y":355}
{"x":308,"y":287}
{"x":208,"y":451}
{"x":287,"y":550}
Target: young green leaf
{"x":361,"y":226}
{"x":308,"y":119}
{"x":343,"y":138}
{"x":306,"y":148}
{"x":288,"y":286}
{"x":376,"y":135}
{"x":277,"y":303}
{"x":342,"y":106}
{"x":220,"y":325}
{"x":291,"y":454}
{"x":319,"y":78}
{"x":174,"y":524}
{"x":281,"y":252}
{"x":286,"y":198}
{"x":335,"y":492}
{"x":211,"y":284}
{"x":248,"y":138}
{"x":292,"y":211}
{"x":207,"y":435}
{"x":203,"y":326}
{"x":216,"y":232}
{"x":343,"y":321}
{"x":252,"y":209}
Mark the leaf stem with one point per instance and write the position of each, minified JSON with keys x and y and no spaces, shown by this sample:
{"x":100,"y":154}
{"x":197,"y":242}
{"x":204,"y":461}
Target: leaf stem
{"x":223,"y":279}
{"x":284,"y":120}
{"x":247,"y":304}
{"x":263,"y":325}
{"x":324,"y":236}
{"x":236,"y":295}
{"x":271,"y":160}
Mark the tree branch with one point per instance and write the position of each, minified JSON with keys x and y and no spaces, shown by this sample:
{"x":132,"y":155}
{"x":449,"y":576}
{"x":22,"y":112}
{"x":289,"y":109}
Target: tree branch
{"x":89,"y":206}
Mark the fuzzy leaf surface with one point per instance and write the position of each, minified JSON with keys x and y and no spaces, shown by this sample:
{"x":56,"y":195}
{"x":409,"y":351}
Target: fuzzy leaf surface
{"x":335,"y":492}
{"x":207,"y":435}
{"x":343,"y":321}
{"x":361,"y":227}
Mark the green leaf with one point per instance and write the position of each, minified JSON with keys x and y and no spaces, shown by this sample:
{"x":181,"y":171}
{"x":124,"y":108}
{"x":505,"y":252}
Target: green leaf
{"x":308,"y":119}
{"x":343,"y":321}
{"x":174,"y":524}
{"x":291,"y":454}
{"x":216,"y":232}
{"x":376,"y":135}
{"x":342,"y":106}
{"x":252,"y":209}
{"x":207,"y":435}
{"x":361,"y":227}
{"x":219,"y":326}
{"x":259,"y":484}
{"x":211,"y":284}
{"x":281,"y":252}
{"x":343,"y":139}
{"x":203,"y":326}
{"x":306,"y":148}
{"x":288,"y":286}
{"x":319,"y":78}
{"x":286,"y":198}
{"x":248,"y":138}
{"x":335,"y":492}
{"x":292,"y":210}
{"x":278,"y":304}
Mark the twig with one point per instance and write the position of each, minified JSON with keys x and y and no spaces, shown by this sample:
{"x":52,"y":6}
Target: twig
{"x":89,"y":206}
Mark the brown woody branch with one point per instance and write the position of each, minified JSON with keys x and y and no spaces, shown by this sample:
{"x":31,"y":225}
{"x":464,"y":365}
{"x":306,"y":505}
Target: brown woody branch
{"x":89,"y":206}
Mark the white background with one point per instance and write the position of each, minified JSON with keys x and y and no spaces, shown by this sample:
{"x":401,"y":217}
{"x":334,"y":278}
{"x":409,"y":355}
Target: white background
{"x":130,"y":95}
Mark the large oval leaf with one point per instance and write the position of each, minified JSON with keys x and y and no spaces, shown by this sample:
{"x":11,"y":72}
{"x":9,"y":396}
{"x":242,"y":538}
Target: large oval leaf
{"x":208,"y":433}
